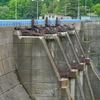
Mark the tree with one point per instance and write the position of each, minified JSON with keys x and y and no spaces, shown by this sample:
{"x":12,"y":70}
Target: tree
{"x":98,"y":12}
{"x":96,"y":9}
{"x":96,"y":1}
{"x":4,"y":10}
{"x":90,"y":3}
{"x":28,"y":8}
{"x":4,"y":2}
{"x":25,"y":9}
{"x":44,"y":8}
{"x":72,"y":8}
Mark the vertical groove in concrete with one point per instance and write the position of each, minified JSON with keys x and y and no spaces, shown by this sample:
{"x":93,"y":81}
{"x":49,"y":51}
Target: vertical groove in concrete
{"x":95,"y":83}
{"x":59,"y":42}
{"x":72,"y":47}
{"x":51,"y":59}
{"x":85,"y":70}
{"x":89,"y":85}
{"x":91,"y":33}
{"x":80,"y":87}
{"x":87,"y":88}
{"x":79,"y":43}
{"x":68,"y":92}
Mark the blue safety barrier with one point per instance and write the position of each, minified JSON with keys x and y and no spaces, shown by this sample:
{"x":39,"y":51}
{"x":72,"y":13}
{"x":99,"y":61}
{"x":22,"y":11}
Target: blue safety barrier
{"x":37,"y":22}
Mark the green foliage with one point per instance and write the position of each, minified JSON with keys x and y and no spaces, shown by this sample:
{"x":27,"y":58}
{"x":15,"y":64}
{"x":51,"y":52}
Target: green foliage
{"x":92,"y":52}
{"x":44,"y":8}
{"x":77,"y":75}
{"x":96,"y":1}
{"x":98,"y":12}
{"x":98,"y":64}
{"x":28,"y":8}
{"x":4,"y":10}
{"x":72,"y":8}
{"x":91,"y":58}
{"x":84,"y":67}
{"x":90,"y":3}
{"x":96,"y":9}
{"x":82,"y":11}
{"x":86,"y":41}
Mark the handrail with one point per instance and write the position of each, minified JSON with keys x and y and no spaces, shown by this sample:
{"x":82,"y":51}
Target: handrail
{"x":4,"y":23}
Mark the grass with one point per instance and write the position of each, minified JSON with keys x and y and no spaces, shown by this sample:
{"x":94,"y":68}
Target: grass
{"x":92,"y":52}
{"x":87,"y":53}
{"x":76,"y":75}
{"x":86,"y":41}
{"x":91,"y":14}
{"x":98,"y":64}
{"x":84,"y":67}
{"x":91,"y":58}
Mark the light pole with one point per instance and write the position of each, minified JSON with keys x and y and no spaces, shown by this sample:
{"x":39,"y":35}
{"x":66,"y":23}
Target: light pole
{"x":61,"y":11}
{"x":53,"y":5}
{"x":78,"y":15}
{"x":15,"y":9}
{"x":65,"y":8}
{"x":89,"y":11}
{"x":37,"y":7}
{"x":85,"y":6}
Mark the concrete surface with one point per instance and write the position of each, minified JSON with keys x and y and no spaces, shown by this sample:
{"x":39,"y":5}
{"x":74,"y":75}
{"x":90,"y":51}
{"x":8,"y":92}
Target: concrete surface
{"x":26,"y":72}
{"x":91,"y":32}
{"x":10,"y":86}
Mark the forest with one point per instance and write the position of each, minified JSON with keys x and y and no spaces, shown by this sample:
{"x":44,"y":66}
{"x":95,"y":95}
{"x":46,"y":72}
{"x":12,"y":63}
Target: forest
{"x":28,"y":8}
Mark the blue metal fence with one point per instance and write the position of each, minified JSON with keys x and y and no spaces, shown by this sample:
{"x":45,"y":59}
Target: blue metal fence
{"x":37,"y":22}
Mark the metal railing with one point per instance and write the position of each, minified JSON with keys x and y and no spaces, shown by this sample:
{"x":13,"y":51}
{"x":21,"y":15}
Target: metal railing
{"x":90,"y":19}
{"x":4,"y":23}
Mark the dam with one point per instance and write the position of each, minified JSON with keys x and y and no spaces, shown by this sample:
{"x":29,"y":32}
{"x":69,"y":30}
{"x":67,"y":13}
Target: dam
{"x":62,"y":64}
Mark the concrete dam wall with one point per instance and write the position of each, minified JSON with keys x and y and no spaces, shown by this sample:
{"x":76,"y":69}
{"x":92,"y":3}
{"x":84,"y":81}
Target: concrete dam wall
{"x":10,"y":86}
{"x":91,"y":37}
{"x":33,"y":67}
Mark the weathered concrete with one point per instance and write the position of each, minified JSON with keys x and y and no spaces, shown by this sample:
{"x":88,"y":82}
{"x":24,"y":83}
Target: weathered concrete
{"x":27,"y":69}
{"x":36,"y":71}
{"x":91,"y":33}
{"x":81,"y":54}
{"x":37,"y":74}
{"x":10,"y":86}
